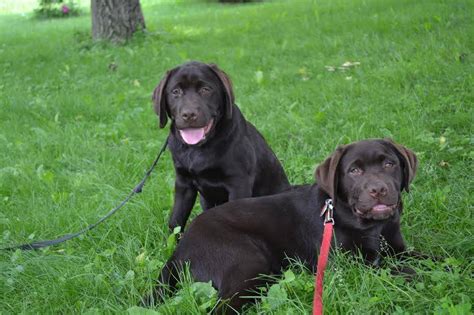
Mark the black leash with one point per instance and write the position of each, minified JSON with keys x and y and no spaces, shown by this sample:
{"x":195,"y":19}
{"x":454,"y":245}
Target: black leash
{"x":136,"y":190}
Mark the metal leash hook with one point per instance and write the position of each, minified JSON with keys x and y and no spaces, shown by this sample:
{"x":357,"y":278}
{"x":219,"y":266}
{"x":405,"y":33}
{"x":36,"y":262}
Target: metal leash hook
{"x":328,"y":209}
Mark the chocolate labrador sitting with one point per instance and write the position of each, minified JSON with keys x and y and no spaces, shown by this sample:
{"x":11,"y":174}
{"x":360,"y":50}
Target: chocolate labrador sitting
{"x":232,"y":244}
{"x":216,"y":152}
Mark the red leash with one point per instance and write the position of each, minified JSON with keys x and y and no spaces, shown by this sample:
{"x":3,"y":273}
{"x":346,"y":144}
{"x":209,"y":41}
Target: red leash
{"x":323,"y":256}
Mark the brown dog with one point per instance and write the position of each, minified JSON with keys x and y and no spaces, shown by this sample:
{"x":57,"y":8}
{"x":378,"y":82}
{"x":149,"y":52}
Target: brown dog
{"x":231,"y":245}
{"x":216,"y":152}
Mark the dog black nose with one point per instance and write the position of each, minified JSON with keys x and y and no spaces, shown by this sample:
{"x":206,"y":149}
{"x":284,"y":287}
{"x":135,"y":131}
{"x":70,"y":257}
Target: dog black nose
{"x":188,"y":115}
{"x":377,"y":189}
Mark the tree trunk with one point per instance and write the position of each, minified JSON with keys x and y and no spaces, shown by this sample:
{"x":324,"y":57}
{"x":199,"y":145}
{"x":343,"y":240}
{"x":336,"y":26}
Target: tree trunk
{"x":116,"y":20}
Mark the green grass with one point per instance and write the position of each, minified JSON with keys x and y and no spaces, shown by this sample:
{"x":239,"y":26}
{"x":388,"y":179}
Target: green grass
{"x":76,"y":137}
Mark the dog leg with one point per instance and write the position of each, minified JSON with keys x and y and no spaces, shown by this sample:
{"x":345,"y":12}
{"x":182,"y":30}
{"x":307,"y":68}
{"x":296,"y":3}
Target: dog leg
{"x":205,"y":205}
{"x":240,"y":285}
{"x":184,"y":198}
{"x":240,"y":190}
{"x":392,"y":234}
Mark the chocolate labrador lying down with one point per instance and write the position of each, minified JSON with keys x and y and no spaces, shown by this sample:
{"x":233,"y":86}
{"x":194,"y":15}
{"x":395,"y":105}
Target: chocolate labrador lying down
{"x":216,"y":152}
{"x":234,"y":243}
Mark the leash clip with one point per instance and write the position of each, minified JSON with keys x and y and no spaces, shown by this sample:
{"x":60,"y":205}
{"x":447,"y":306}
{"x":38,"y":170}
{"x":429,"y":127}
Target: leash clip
{"x":328,"y":210}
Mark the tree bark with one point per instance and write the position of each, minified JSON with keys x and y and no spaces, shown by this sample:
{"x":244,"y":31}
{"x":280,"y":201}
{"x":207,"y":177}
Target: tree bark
{"x":116,"y":20}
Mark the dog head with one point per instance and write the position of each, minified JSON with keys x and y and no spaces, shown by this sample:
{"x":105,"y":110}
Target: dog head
{"x":368,"y":176}
{"x":195,"y":96}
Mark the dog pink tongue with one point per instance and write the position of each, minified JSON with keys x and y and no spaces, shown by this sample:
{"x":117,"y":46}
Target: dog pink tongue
{"x":380,"y":207}
{"x":192,"y":135}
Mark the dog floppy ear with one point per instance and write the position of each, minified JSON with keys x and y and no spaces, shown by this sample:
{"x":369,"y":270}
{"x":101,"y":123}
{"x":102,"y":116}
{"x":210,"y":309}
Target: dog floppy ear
{"x":229,"y":91}
{"x":409,"y":162}
{"x":159,"y":100}
{"x":326,"y":173}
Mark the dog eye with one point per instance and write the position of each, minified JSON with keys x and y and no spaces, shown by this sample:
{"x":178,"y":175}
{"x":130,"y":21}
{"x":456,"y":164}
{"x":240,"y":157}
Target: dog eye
{"x":355,"y":171}
{"x":205,"y":90}
{"x":176,"y":92}
{"x":388,"y":164}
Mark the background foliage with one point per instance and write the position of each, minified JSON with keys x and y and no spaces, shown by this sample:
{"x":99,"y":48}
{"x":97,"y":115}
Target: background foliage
{"x":56,"y":9}
{"x":77,"y":132}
